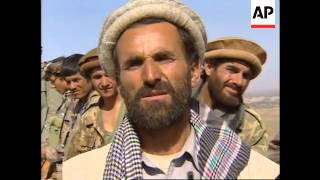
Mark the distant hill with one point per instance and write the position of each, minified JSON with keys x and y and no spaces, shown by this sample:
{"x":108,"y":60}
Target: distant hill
{"x":263,"y":101}
{"x":266,"y":93}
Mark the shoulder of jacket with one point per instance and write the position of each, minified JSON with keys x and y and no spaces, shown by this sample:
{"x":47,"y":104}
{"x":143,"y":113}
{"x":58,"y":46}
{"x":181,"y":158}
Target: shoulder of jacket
{"x":90,"y":115}
{"x":251,"y":112}
{"x":94,"y":95}
{"x":93,"y":99}
{"x":251,"y":116}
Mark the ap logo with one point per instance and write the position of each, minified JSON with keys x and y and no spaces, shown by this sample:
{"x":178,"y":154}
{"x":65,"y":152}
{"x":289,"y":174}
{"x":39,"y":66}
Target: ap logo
{"x":263,"y":14}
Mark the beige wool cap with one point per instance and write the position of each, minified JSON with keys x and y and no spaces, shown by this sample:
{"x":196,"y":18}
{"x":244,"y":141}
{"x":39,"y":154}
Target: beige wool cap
{"x":134,"y":10}
{"x":238,"y":48}
{"x":89,"y":61}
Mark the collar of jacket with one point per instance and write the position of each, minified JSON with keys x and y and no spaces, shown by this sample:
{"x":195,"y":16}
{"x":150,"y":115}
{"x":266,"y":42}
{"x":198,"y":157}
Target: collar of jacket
{"x":93,"y":100}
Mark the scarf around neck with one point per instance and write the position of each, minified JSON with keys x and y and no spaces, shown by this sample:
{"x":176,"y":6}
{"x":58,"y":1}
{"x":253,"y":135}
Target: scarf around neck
{"x":221,"y":153}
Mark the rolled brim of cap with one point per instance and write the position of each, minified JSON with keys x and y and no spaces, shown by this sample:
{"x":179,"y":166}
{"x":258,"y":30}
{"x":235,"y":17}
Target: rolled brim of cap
{"x":127,"y":15}
{"x":245,"y":56}
{"x":85,"y":67}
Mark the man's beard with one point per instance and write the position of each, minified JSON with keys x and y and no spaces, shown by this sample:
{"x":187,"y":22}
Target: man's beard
{"x":157,"y":115}
{"x":222,"y":99}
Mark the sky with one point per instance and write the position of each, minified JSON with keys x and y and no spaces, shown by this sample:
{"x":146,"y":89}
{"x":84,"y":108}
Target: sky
{"x":69,"y":27}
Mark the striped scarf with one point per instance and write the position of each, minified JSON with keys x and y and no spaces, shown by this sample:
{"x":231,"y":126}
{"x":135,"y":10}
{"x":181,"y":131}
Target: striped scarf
{"x":221,"y":153}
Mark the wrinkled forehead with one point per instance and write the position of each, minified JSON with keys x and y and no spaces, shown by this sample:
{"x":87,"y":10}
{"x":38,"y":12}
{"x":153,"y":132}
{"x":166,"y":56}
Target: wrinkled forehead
{"x":96,"y":69}
{"x":163,"y":32}
{"x":100,"y":71}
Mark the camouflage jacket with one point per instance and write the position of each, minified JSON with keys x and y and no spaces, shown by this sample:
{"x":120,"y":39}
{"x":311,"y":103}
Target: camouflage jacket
{"x":50,"y":100}
{"x":252,"y":130}
{"x":69,"y":124}
{"x":91,"y":133}
{"x":71,"y":121}
{"x":51,"y":132}
{"x":51,"y":135}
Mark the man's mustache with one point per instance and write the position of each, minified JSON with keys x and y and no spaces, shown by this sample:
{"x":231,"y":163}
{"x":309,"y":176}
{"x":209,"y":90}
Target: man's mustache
{"x":160,"y":86}
{"x":235,"y":87}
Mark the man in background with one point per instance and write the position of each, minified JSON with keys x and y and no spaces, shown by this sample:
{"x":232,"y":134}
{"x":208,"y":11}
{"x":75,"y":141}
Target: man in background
{"x":55,"y":99}
{"x":97,"y":124}
{"x":50,"y":96}
{"x":230,"y":64}
{"x":84,"y":98}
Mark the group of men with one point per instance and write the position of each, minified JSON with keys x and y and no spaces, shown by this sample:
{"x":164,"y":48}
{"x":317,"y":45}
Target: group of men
{"x":85,"y":114}
{"x":154,"y":100}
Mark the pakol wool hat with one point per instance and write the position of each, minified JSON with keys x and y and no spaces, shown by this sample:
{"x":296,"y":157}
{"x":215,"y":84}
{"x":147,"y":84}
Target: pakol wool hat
{"x":89,"y":61}
{"x":237,"y":48}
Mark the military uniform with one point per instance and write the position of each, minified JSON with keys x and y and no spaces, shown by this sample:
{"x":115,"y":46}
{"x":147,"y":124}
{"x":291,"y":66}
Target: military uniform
{"x":72,"y":121}
{"x":51,"y":136}
{"x":252,"y":130}
{"x":52,"y":128}
{"x":53,"y":108}
{"x":56,"y":154}
{"x":51,"y":99}
{"x":91,"y":134}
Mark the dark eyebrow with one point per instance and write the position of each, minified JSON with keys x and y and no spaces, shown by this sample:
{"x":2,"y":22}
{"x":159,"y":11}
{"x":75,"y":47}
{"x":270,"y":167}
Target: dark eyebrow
{"x":233,"y":67}
{"x":76,"y":79}
{"x":163,"y":54}
{"x":96,"y":75}
{"x":131,"y":60}
{"x":246,"y":74}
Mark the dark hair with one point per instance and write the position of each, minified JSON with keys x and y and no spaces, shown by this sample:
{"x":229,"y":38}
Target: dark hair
{"x":70,"y":65}
{"x":187,"y":41}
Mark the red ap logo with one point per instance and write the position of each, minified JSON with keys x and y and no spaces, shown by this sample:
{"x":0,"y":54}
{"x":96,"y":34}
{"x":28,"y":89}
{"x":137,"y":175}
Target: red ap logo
{"x":262,"y":13}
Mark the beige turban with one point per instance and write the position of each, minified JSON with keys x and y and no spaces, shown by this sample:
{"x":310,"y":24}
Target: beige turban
{"x":237,"y":48}
{"x":171,"y":10}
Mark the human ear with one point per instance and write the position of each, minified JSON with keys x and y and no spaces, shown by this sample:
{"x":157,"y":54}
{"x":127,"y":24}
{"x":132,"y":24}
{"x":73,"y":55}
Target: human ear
{"x":195,"y":74}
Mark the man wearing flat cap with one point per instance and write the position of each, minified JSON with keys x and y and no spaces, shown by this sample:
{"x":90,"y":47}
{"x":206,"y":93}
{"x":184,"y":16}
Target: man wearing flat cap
{"x":154,"y":49}
{"x":97,"y":124}
{"x":85,"y":98}
{"x":230,"y":64}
